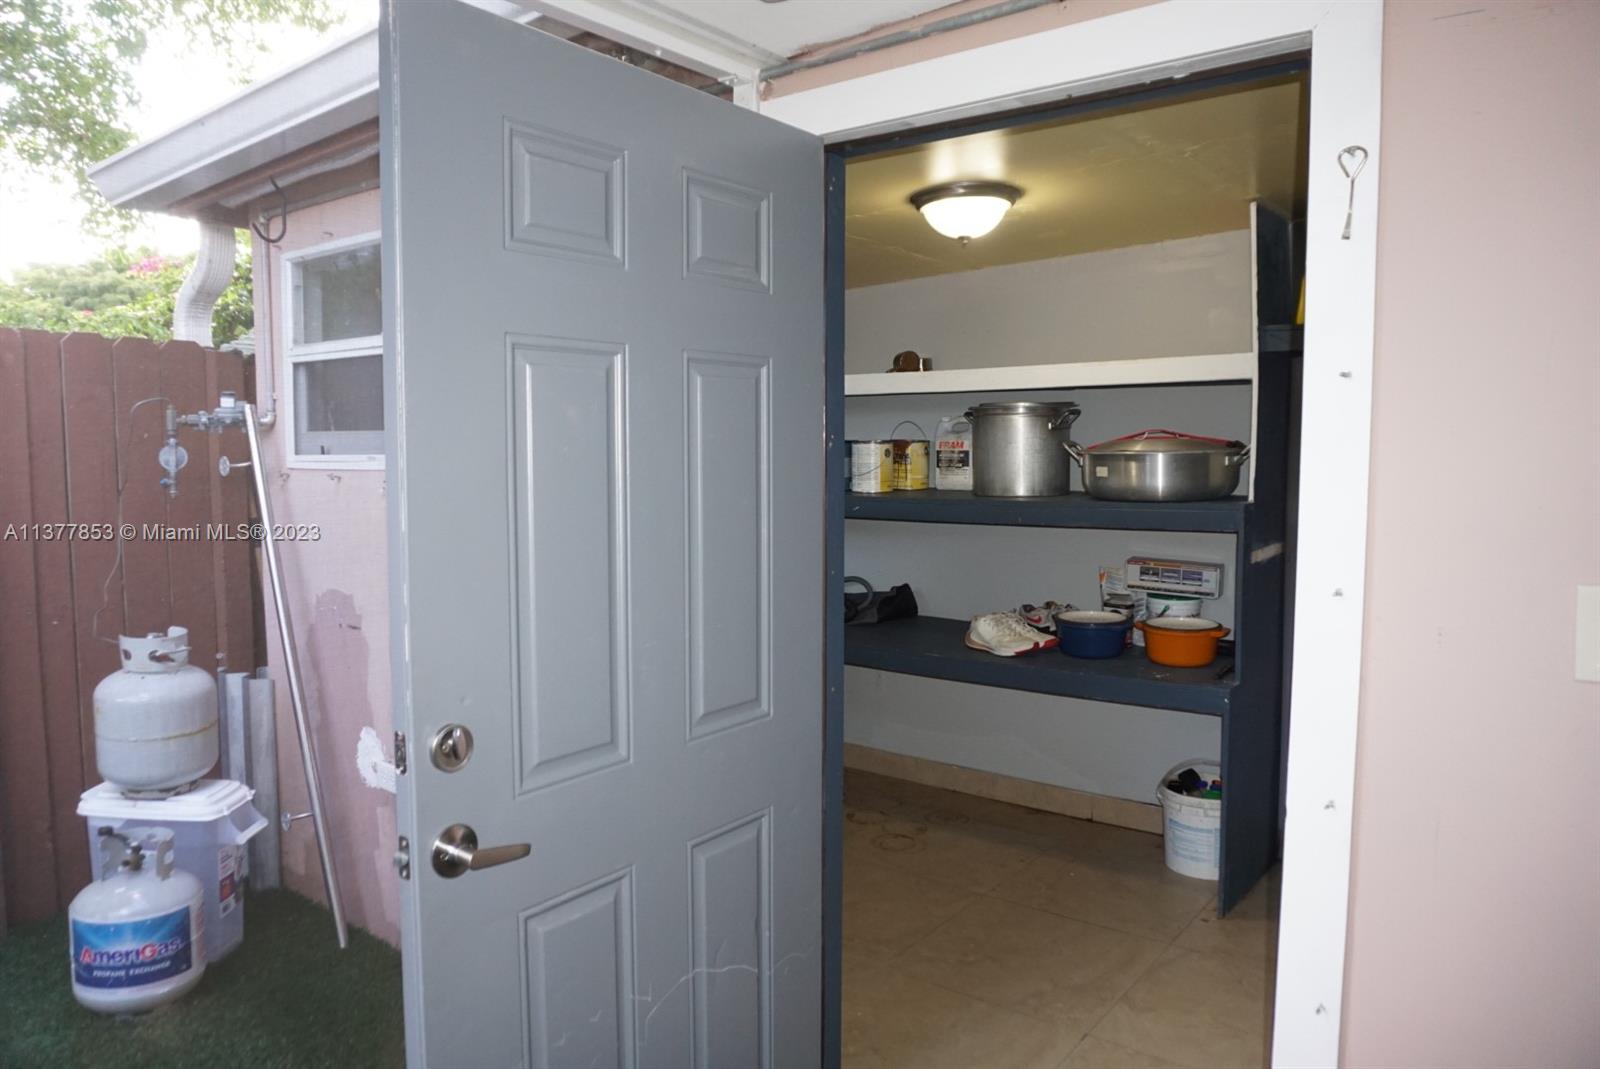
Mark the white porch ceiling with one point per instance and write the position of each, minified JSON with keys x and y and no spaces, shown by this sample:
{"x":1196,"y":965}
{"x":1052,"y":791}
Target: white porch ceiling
{"x":785,"y":28}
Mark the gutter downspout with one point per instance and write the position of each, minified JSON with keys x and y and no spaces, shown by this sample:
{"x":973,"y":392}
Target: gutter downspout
{"x":212,"y":271}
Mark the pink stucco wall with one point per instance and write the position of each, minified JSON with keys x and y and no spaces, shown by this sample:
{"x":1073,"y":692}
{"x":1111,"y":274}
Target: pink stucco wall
{"x":340,"y":602}
{"x":1475,"y":902}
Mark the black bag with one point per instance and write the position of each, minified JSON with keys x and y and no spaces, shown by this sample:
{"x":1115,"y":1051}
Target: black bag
{"x":870,"y":606}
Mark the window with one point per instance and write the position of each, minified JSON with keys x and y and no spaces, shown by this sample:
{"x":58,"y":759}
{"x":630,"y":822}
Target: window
{"x":334,"y":354}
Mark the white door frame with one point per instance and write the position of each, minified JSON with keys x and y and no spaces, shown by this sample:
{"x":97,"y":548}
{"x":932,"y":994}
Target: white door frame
{"x":1179,"y":37}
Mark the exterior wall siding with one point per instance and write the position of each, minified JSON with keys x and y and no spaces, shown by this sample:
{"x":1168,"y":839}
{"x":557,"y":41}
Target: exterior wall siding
{"x":340,"y":603}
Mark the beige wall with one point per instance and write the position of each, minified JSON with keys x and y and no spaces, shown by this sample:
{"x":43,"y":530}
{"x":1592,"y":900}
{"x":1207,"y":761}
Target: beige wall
{"x":1187,"y":297}
{"x":339,"y":597}
{"x":1475,"y":908}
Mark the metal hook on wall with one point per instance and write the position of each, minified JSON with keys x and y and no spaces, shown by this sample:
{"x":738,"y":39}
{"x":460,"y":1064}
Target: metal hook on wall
{"x":1351,"y":160}
{"x":283,"y":216}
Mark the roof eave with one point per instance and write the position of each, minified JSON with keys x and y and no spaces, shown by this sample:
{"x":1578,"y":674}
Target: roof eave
{"x":330,"y":93}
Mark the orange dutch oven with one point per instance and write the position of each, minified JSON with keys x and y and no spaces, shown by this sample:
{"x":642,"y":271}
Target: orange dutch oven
{"x":1181,"y":642}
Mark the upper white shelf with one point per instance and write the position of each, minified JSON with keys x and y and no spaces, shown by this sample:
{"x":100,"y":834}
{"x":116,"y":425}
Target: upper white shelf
{"x":1141,"y":371}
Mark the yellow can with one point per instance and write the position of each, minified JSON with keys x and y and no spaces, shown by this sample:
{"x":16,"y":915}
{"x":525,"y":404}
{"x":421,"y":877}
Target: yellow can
{"x":910,"y":463}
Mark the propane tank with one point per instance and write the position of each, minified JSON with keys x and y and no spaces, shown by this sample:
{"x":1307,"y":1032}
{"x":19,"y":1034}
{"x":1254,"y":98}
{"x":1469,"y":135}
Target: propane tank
{"x":138,"y":932}
{"x":155,"y":721}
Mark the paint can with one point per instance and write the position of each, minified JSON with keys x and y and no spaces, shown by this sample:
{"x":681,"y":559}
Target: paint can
{"x":911,"y":456}
{"x":872,"y":466}
{"x":910,"y":464}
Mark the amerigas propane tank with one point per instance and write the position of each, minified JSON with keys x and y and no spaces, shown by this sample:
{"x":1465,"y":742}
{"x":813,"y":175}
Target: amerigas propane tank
{"x":155,"y":721}
{"x":137,"y":932}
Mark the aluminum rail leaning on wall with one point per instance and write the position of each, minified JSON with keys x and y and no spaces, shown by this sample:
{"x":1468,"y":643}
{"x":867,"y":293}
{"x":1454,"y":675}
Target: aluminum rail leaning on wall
{"x":291,"y":662}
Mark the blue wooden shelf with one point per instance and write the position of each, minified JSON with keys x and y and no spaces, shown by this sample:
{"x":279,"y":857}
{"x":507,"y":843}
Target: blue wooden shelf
{"x":934,"y":646}
{"x":1079,"y":510}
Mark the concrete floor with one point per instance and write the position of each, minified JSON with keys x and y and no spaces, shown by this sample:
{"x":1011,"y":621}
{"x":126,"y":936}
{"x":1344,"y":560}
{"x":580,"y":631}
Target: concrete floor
{"x":978,"y":933}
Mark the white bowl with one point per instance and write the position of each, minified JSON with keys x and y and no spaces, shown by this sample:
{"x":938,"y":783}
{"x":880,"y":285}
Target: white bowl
{"x":1183,"y":623}
{"x":1092,"y":617}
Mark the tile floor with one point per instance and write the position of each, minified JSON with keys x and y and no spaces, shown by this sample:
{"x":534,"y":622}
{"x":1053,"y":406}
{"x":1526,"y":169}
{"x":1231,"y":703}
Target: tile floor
{"x":978,"y":933}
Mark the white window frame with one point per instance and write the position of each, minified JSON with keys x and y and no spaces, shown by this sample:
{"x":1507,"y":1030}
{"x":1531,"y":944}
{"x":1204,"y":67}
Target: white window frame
{"x":1177,"y":38}
{"x":320,"y":352}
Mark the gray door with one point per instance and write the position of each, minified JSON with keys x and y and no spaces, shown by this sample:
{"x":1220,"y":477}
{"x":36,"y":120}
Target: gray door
{"x":604,"y":335}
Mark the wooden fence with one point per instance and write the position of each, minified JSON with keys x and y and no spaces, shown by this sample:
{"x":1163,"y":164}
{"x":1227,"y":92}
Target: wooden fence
{"x":69,"y":437}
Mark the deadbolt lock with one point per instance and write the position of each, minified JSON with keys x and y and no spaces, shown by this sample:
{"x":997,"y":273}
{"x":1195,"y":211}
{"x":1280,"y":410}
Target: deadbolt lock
{"x":450,"y":748}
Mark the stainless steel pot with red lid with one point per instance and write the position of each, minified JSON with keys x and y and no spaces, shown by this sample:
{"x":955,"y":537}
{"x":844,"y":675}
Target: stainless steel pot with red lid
{"x":1161,"y":465}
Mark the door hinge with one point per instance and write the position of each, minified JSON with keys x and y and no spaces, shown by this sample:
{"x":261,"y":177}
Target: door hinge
{"x":399,"y":753}
{"x":402,"y":858}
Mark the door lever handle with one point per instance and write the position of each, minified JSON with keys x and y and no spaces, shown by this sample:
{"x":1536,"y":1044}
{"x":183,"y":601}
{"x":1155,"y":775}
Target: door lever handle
{"x":456,"y":851}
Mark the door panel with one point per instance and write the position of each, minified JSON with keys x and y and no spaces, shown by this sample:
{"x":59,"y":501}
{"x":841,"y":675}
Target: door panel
{"x":604,"y":354}
{"x":727,"y":235}
{"x":569,"y":467}
{"x":730,"y":618}
{"x":731,"y":897}
{"x":566,"y":195}
{"x":577,"y":958}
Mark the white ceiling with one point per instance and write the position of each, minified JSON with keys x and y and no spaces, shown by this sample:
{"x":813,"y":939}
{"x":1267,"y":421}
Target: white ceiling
{"x":780,"y":30}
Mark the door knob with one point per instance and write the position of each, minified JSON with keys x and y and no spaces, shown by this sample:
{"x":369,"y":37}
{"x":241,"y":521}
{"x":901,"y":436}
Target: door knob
{"x":456,"y":851}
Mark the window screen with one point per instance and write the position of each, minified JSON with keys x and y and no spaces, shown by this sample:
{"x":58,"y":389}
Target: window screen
{"x":338,"y":406}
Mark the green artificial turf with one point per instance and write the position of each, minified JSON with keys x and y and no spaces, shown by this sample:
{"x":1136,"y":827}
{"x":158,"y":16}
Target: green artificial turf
{"x":287,"y":998}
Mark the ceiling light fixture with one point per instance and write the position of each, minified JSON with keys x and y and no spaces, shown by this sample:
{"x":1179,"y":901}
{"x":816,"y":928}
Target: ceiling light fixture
{"x":965,"y":210}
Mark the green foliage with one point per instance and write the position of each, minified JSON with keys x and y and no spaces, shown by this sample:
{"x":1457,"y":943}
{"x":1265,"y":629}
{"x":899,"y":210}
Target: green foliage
{"x":124,"y":293}
{"x":66,"y":70}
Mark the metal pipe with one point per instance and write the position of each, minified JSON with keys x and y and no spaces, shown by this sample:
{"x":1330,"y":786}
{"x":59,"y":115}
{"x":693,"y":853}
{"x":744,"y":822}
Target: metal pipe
{"x":877,"y":44}
{"x":291,"y":665}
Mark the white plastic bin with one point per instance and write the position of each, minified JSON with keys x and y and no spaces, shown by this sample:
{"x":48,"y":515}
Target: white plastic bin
{"x":1193,"y":826}
{"x":210,"y":824}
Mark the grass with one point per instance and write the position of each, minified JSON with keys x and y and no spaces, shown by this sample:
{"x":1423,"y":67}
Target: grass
{"x":287,"y":998}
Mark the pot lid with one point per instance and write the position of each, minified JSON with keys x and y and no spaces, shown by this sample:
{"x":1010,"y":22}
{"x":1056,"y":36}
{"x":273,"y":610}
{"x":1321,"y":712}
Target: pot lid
{"x":1162,"y":441}
{"x":1025,"y":408}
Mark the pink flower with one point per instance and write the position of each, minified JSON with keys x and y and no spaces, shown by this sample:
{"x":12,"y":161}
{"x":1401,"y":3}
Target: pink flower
{"x":148,"y":266}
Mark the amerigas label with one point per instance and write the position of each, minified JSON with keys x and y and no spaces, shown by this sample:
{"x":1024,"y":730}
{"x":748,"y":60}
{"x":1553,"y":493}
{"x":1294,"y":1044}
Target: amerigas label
{"x":133,"y":953}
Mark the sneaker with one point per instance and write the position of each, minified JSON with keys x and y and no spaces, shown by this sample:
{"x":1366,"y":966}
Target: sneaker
{"x":1042,"y":617}
{"x":1006,"y":634}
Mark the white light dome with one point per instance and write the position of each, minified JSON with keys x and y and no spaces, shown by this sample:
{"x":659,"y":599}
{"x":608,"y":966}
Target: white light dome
{"x":965,"y":210}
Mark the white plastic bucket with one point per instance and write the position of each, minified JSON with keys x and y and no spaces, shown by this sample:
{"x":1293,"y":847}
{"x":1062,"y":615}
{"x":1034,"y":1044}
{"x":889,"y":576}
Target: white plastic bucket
{"x":210,"y":826}
{"x":1193,"y":826}
{"x":1170,"y":605}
